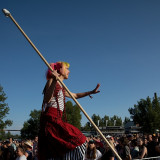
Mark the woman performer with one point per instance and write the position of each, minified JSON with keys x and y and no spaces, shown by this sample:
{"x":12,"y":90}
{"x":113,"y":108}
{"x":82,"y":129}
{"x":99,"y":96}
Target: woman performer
{"x":57,"y":138}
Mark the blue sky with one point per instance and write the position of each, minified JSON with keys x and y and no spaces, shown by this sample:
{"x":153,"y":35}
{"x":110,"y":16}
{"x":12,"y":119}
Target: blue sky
{"x":114,"y":43}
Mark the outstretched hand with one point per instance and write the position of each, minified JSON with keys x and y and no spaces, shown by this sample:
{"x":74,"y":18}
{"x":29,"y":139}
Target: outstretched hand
{"x":96,"y":89}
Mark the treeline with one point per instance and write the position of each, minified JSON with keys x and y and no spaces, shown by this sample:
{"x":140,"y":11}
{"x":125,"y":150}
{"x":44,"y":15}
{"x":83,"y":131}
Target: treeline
{"x":4,"y":110}
{"x":102,"y":122}
{"x":146,"y":113}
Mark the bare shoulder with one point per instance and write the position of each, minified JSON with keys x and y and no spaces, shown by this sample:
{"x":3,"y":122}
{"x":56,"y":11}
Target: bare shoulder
{"x":48,"y":83}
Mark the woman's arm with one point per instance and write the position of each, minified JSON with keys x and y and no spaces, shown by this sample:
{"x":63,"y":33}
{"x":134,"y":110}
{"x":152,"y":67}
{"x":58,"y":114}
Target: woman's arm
{"x":49,"y":89}
{"x":144,"y":151}
{"x":84,"y":94}
{"x":50,"y":86}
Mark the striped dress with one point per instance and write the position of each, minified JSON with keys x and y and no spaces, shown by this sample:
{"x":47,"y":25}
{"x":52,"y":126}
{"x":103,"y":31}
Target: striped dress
{"x":59,"y":140}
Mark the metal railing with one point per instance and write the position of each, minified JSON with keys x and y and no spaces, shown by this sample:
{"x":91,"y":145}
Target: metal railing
{"x":150,"y":158}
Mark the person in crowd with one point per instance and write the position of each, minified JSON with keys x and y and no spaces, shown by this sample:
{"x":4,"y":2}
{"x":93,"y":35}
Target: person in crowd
{"x":1,"y":148}
{"x":155,"y":139}
{"x":1,"y":144}
{"x":137,"y":135}
{"x":16,"y":142}
{"x":99,"y":144}
{"x":20,"y":154}
{"x":135,"y":149}
{"x":4,"y":150}
{"x":108,"y":154}
{"x":123,"y":148}
{"x":21,"y":144}
{"x":12,"y":143}
{"x":28,"y":150}
{"x":8,"y":151}
{"x":157,"y":147}
{"x":142,"y":149}
{"x":145,"y":141}
{"x":35,"y":148}
{"x":151,"y":146}
{"x":92,"y":153}
{"x":116,"y":138}
{"x":130,"y":138}
{"x":57,"y":138}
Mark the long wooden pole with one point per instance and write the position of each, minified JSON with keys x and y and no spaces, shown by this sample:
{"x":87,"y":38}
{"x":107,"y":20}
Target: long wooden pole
{"x":8,"y":14}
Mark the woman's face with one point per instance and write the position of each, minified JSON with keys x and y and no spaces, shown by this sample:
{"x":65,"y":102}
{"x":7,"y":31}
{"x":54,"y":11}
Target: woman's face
{"x":65,"y":71}
{"x":145,"y":141}
{"x":107,"y":147}
{"x":156,"y":139}
{"x":139,"y":142}
{"x":19,"y":152}
{"x":91,"y":145}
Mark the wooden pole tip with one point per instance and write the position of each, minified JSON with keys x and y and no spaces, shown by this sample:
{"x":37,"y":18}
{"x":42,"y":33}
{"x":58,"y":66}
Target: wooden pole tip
{"x":6,"y":12}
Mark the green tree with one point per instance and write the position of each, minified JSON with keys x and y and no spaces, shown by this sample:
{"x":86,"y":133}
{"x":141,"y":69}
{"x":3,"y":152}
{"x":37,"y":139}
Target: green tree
{"x":87,"y":127}
{"x":73,"y":114}
{"x":156,"y":108}
{"x":4,"y":110}
{"x":8,"y":135}
{"x":102,"y":122}
{"x":146,"y":114}
{"x":126,"y":120}
{"x":105,"y":121}
{"x":117,"y":120}
{"x":96,"y":118}
{"x":31,"y":127}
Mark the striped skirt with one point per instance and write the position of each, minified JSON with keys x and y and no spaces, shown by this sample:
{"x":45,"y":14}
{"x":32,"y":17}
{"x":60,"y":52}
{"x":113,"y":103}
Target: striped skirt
{"x":77,"y":154}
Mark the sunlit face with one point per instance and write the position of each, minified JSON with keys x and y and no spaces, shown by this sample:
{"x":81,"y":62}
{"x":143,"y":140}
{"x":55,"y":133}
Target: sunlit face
{"x":65,"y":71}
{"x":19,"y":152}
{"x":91,"y":145}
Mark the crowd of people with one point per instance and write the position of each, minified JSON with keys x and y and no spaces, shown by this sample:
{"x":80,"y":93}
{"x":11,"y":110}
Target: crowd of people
{"x":19,"y":150}
{"x":128,"y":147}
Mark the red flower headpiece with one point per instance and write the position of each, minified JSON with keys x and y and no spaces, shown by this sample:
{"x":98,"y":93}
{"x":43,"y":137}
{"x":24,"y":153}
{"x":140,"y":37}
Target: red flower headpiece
{"x":55,"y":66}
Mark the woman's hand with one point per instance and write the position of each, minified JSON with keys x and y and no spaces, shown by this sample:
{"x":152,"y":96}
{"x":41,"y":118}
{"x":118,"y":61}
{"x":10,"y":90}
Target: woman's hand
{"x":96,"y":89}
{"x":54,"y":74}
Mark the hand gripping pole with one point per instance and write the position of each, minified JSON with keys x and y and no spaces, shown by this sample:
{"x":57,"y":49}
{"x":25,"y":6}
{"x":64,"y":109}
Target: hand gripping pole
{"x":8,"y":14}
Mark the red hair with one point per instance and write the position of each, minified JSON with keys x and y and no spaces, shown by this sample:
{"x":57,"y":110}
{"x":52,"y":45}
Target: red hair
{"x":55,"y":66}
